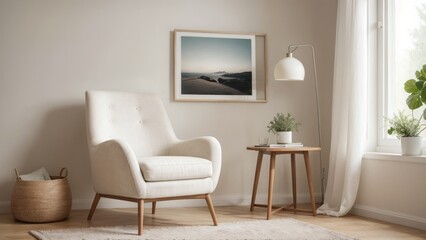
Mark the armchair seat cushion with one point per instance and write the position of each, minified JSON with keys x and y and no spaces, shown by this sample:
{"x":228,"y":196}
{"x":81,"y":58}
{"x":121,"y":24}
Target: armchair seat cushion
{"x":169,"y":168}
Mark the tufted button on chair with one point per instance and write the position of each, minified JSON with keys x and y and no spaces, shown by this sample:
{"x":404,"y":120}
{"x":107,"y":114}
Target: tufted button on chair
{"x":136,"y":156}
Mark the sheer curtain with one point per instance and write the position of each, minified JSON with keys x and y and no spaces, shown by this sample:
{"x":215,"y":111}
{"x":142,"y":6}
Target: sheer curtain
{"x":349,"y":108}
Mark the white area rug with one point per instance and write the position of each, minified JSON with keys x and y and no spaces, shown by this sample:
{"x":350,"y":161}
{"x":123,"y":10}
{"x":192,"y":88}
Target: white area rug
{"x":259,"y":229}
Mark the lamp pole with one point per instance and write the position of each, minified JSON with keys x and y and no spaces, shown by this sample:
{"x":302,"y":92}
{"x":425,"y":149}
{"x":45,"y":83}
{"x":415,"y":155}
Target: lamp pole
{"x":291,"y":49}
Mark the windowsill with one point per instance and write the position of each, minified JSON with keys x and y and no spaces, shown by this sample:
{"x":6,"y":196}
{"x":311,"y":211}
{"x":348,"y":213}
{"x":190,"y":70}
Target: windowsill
{"x":395,"y":157}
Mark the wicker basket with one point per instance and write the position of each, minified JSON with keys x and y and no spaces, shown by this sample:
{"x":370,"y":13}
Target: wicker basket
{"x":42,"y":201}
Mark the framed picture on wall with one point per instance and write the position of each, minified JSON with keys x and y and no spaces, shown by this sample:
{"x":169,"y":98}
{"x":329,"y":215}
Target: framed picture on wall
{"x":217,"y":66}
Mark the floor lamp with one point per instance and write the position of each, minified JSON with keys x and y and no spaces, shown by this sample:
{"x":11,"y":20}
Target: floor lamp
{"x":291,"y":69}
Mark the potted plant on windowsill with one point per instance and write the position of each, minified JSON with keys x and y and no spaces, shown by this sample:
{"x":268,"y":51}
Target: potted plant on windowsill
{"x":283,"y":125}
{"x":407,"y":128}
{"x":417,"y":98}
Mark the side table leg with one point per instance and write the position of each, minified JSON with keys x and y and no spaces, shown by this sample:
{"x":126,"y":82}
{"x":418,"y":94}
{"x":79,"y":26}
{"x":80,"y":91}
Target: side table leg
{"x":256,"y":179}
{"x":310,"y":185}
{"x":293,"y":179}
{"x":271,"y":185}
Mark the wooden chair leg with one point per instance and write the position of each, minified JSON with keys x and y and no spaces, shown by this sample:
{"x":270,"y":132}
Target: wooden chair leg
{"x":154,"y":206}
{"x":211,"y":209}
{"x":94,"y":205}
{"x":140,"y":216}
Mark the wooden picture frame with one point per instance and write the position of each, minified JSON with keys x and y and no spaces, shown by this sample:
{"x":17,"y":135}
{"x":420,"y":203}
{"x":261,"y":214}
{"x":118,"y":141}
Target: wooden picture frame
{"x":219,"y":67}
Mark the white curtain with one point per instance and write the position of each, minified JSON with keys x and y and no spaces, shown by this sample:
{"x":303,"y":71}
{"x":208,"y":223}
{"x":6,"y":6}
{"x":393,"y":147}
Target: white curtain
{"x":349,"y":108}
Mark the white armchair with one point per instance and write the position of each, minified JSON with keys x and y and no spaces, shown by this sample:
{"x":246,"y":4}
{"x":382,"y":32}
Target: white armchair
{"x":136,"y":156}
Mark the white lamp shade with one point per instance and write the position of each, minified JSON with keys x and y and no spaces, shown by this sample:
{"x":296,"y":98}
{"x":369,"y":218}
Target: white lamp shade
{"x":289,"y":69}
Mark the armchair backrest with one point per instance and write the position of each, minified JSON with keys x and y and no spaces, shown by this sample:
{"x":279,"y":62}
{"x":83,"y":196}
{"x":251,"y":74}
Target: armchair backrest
{"x":138,"y":119}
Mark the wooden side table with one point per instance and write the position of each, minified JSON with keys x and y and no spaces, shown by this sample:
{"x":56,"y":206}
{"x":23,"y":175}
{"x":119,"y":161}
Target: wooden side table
{"x":273,"y":151}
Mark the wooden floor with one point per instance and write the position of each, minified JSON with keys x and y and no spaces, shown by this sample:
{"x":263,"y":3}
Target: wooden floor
{"x":355,"y":226}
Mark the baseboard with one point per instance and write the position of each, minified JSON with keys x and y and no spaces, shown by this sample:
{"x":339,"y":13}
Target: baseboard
{"x":78,"y":204}
{"x":389,"y":216}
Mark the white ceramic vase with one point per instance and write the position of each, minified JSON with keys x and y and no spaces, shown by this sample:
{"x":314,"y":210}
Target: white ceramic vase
{"x":284,"y":137}
{"x":411,"y":146}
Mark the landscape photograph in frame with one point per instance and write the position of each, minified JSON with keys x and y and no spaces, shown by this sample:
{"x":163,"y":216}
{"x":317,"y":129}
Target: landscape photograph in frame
{"x":214,"y":66}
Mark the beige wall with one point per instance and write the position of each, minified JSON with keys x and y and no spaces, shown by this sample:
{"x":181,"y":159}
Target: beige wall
{"x":52,"y":51}
{"x":392,"y":189}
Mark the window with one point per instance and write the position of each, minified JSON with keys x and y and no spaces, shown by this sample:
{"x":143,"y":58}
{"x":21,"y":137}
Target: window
{"x":401,"y":51}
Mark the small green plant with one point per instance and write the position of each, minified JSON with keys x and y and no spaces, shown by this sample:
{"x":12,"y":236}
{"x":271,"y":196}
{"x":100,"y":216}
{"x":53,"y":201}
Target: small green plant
{"x":402,"y":125}
{"x":417,"y":90}
{"x":283,"y":123}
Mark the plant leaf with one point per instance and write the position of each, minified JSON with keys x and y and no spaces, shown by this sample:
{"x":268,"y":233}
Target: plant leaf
{"x":424,"y":114}
{"x":414,"y":101}
{"x":423,"y":73}
{"x":419,"y":85}
{"x":424,"y":67}
{"x":410,"y":86}
{"x":423,"y":95}
{"x":418,"y":74}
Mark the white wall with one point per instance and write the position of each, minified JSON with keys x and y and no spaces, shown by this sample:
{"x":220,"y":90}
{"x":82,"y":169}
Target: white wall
{"x":52,"y":51}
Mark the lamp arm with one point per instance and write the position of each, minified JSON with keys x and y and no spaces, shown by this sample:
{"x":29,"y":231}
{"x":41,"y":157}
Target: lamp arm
{"x":291,"y":49}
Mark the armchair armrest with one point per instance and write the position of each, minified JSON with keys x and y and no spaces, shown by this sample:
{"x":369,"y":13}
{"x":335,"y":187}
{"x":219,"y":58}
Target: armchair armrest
{"x":115,"y":170}
{"x":203,"y":147}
